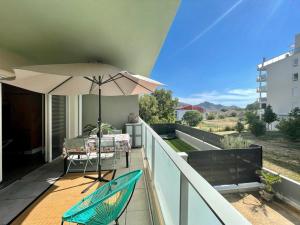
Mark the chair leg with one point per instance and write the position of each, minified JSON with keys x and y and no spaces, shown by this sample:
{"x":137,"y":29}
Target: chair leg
{"x":87,"y":160}
{"x":117,"y":222}
{"x":62,"y":222}
{"x":69,"y":164}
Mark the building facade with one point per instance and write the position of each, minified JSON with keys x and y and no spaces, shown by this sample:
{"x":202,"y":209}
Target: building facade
{"x":279,"y":82}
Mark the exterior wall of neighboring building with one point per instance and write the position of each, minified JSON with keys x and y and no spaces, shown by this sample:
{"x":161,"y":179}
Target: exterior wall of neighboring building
{"x":115,"y":110}
{"x":283,"y":81}
{"x":282,"y":91}
{"x":180,"y":113}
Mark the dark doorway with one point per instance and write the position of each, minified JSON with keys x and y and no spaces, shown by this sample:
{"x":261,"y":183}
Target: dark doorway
{"x":58,"y":124}
{"x":23,"y":122}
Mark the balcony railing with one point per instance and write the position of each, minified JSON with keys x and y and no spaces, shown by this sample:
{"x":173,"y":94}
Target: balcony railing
{"x":261,"y":78}
{"x":185,"y":197}
{"x":262,"y":89}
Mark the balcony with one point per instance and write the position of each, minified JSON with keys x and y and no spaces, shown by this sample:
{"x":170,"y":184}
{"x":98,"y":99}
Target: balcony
{"x":262,"y":89}
{"x":261,"y":78}
{"x":170,"y":192}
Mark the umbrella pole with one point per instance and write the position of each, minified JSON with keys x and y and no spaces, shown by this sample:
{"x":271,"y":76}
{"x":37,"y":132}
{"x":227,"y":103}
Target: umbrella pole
{"x":99,"y":129}
{"x":100,"y":178}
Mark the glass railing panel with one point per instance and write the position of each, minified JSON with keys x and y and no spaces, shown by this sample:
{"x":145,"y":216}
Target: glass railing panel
{"x":167,"y":183}
{"x":149,"y":148}
{"x":198,"y":211}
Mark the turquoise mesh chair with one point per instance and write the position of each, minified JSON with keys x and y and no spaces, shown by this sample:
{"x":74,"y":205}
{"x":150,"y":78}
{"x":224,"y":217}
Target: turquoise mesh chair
{"x":106,"y":204}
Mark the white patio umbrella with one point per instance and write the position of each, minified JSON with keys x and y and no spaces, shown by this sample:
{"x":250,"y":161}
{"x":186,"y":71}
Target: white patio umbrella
{"x":82,"y":78}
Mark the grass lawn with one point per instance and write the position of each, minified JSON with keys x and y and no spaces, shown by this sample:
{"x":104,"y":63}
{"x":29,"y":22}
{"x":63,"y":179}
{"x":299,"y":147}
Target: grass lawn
{"x":279,"y":154}
{"x":218,"y":125}
{"x":179,"y":145}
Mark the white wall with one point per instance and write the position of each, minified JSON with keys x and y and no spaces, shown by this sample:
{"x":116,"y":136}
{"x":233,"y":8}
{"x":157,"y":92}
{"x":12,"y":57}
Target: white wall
{"x":115,"y":110}
{"x":195,"y":142}
{"x":280,"y":85}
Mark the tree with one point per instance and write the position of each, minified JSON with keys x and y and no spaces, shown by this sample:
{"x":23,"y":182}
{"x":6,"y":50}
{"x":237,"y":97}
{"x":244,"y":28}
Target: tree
{"x":239,"y":127}
{"x":269,"y":116}
{"x":210,"y":116}
{"x":166,"y":105}
{"x":257,"y":127}
{"x":192,"y":118}
{"x":253,"y":107}
{"x":251,"y":117}
{"x":148,"y":108}
{"x":158,"y":107}
{"x":291,"y":126}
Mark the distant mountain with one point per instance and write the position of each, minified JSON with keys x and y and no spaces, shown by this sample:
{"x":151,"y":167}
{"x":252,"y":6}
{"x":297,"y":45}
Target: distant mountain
{"x":180,"y":104}
{"x":209,"y":107}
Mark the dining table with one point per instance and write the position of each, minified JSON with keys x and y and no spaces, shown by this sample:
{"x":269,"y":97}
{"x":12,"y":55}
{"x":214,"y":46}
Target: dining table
{"x":122,"y":144}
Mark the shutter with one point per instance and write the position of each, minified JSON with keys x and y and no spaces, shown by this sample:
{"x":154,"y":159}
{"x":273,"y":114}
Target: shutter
{"x":58,"y":124}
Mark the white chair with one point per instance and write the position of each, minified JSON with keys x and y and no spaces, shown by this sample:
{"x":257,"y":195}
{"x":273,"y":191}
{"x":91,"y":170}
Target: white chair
{"x":77,"y":150}
{"x":108,"y":150}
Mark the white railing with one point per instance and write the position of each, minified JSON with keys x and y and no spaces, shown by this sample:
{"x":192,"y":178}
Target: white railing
{"x":185,"y":197}
{"x":262,"y":89}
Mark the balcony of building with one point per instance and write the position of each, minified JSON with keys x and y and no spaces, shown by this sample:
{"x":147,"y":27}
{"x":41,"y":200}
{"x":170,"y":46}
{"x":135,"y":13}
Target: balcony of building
{"x":261,"y":78}
{"x":262,"y":89}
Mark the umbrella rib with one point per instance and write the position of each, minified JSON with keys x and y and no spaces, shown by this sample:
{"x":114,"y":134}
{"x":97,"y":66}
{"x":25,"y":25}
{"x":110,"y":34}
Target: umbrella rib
{"x":69,"y":78}
{"x":111,"y":78}
{"x":92,"y":80}
{"x":118,"y":86}
{"x":91,"y":88}
{"x":137,"y":83}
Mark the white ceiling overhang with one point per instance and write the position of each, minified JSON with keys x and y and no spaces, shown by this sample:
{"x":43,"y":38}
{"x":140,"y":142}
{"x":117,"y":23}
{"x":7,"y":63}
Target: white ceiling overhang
{"x":125,"y":33}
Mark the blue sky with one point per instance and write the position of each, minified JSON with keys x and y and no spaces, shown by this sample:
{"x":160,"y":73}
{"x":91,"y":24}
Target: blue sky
{"x":213,"y":47}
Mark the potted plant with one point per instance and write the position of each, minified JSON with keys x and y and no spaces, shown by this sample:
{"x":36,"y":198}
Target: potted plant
{"x":268,"y":179}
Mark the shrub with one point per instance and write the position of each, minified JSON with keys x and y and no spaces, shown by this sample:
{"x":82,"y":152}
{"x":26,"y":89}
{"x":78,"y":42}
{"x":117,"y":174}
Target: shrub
{"x":232,"y":142}
{"x":210,"y":116}
{"x":228,"y":128}
{"x":291,"y":126}
{"x":233,"y":114}
{"x":257,"y":127}
{"x":239,"y":127}
{"x":221,"y":116}
{"x":192,"y":118}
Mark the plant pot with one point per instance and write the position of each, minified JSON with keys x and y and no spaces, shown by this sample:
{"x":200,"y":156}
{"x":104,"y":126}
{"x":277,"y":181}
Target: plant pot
{"x":266,"y":195}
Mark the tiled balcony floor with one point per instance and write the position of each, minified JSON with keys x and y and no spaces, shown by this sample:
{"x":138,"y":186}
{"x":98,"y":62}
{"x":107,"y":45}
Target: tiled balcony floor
{"x":19,"y":195}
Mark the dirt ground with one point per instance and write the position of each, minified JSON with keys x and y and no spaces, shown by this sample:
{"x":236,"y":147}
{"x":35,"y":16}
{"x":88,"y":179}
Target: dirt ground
{"x":259,"y":212}
{"x":279,"y":154}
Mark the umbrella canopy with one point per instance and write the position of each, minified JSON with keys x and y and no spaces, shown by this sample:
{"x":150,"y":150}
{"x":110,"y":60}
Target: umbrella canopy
{"x":81,"y":78}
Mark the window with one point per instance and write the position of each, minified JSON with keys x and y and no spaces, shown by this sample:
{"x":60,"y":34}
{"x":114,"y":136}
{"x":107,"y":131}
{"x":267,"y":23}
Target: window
{"x":295,"y":62}
{"x":295,"y":77}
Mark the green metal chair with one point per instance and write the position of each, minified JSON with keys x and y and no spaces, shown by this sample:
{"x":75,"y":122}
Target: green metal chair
{"x":106,"y":204}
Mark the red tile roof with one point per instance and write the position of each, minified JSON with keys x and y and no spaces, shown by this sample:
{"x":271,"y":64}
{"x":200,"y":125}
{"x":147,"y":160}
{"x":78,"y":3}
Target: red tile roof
{"x":191,"y":107}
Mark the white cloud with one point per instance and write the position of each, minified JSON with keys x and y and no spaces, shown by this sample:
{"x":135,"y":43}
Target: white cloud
{"x":238,"y":97}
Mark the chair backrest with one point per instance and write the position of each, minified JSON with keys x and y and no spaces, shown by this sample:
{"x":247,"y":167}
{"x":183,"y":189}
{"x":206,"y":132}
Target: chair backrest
{"x":78,"y":143}
{"x":107,"y":203}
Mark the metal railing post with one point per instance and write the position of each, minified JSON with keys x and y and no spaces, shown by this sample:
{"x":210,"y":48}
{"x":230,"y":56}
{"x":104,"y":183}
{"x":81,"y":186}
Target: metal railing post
{"x":184,"y":200}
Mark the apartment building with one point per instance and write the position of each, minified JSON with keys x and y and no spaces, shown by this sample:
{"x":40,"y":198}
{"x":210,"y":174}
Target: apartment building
{"x":279,"y":83}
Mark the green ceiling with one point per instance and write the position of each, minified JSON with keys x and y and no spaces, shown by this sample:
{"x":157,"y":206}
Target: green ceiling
{"x":125,"y":33}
